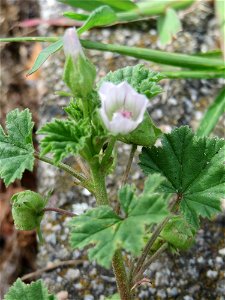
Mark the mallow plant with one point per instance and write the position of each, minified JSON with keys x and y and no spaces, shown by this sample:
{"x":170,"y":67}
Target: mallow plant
{"x":184,"y":176}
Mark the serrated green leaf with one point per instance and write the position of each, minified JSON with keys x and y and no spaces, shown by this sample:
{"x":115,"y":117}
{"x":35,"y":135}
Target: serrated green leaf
{"x":108,"y":231}
{"x":178,"y":233}
{"x":101,"y":16}
{"x":168,"y":26}
{"x":64,"y":137}
{"x":212,"y":115}
{"x":27,"y":210}
{"x":44,"y":55}
{"x":33,"y":291}
{"x":194,"y":169}
{"x":16,"y":147}
{"x":144,"y":81}
{"x":89,"y":5}
{"x":113,"y":297}
{"x":74,"y":109}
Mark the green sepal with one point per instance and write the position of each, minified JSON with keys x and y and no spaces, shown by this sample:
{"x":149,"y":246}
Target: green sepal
{"x":79,"y":75}
{"x":27,"y":210}
{"x":145,"y":134}
{"x":178,"y":233}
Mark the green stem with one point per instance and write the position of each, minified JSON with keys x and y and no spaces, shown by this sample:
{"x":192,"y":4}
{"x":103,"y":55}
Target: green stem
{"x":150,"y":261}
{"x":161,"y":57}
{"x":121,"y":276}
{"x":193,"y":74}
{"x":148,"y":246}
{"x":83,"y":180}
{"x":131,"y":156}
{"x":98,"y":177}
{"x":157,"y":56}
{"x":108,"y":151}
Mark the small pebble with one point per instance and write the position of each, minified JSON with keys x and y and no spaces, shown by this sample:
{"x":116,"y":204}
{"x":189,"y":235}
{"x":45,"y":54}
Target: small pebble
{"x":63,"y":295}
{"x":222,"y":251}
{"x":72,"y":274}
{"x":88,"y":297}
{"x":187,"y":297}
{"x":211,"y":274}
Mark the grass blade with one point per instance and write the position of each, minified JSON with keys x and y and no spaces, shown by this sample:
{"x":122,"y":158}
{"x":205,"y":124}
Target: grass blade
{"x":212,"y":115}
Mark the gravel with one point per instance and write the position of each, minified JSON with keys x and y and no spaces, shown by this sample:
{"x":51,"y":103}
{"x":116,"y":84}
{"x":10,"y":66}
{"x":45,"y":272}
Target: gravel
{"x":196,"y":274}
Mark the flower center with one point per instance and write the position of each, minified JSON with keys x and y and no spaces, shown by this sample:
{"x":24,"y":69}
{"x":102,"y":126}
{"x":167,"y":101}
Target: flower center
{"x":126,"y":114}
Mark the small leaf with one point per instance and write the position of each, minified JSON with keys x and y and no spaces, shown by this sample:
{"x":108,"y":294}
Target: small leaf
{"x":27,"y":210}
{"x":44,"y":55}
{"x":168,"y":26}
{"x":64,"y":137}
{"x":102,"y":16}
{"x":178,"y":233}
{"x":194,"y":169}
{"x":212,"y":115}
{"x":90,"y":5}
{"x":16,"y":147}
{"x":108,"y":231}
{"x":33,"y":291}
{"x":144,"y":81}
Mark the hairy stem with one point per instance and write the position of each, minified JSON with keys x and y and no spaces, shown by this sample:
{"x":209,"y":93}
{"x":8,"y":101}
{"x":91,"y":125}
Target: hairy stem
{"x":108,"y":151}
{"x":121,"y":276}
{"x":155,"y":235}
{"x":148,"y":246}
{"x":83,"y":180}
{"x":98,"y":177}
{"x":127,"y":171}
{"x":152,"y":258}
{"x":60,"y":211}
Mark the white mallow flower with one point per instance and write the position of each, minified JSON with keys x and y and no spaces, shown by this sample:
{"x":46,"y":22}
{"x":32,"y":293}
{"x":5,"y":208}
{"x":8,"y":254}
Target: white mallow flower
{"x":71,"y":43}
{"x":122,"y":108}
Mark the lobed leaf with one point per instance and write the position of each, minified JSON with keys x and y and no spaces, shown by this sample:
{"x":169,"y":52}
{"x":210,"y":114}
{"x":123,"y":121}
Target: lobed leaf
{"x":144,"y":81}
{"x":64,"y":137}
{"x":33,"y":291}
{"x":102,"y":227}
{"x":16,"y":147}
{"x":194,"y":169}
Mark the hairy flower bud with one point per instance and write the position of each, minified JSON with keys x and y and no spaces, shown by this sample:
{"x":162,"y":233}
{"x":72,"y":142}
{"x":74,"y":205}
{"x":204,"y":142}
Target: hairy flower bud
{"x":122,"y":108}
{"x":79,"y":72}
{"x":71,"y":44}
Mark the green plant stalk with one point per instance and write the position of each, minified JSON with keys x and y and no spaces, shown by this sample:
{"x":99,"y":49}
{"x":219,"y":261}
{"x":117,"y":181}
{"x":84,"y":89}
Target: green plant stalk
{"x":180,"y":74}
{"x":121,"y":276}
{"x":61,"y":166}
{"x":108,"y":151}
{"x":152,"y":8}
{"x":100,"y":192}
{"x":161,"y":57}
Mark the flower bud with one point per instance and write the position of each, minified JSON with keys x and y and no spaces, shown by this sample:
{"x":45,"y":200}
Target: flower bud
{"x":122,"y":108}
{"x":71,"y":44}
{"x":27,"y":210}
{"x":79,"y":72}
